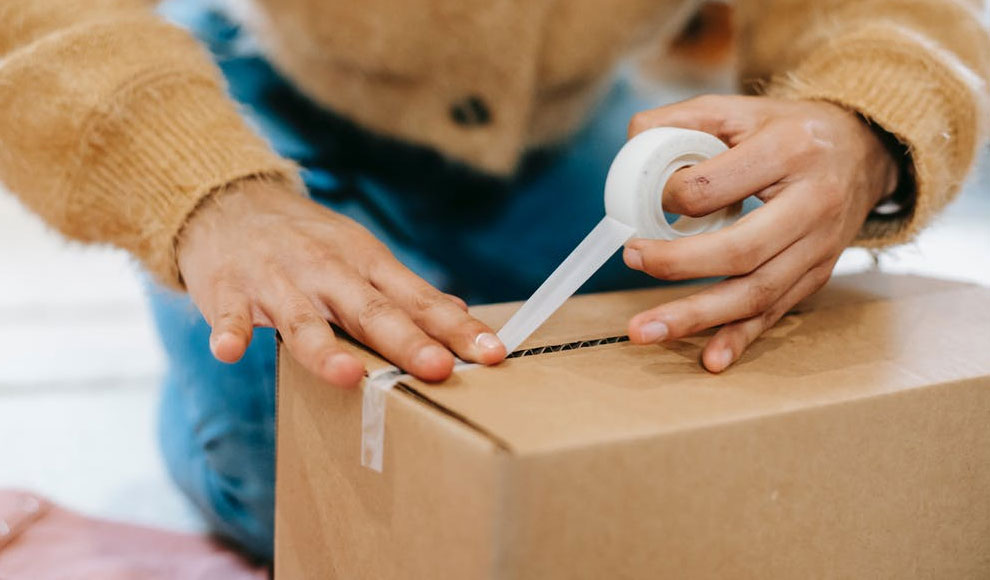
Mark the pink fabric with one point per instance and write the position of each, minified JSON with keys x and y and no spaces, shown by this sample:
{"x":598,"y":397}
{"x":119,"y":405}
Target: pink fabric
{"x":40,"y":541}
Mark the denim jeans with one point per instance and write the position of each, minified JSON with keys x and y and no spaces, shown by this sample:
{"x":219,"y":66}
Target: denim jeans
{"x":483,"y":238}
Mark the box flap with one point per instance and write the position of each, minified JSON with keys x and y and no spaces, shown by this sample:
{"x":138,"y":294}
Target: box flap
{"x":863,"y":336}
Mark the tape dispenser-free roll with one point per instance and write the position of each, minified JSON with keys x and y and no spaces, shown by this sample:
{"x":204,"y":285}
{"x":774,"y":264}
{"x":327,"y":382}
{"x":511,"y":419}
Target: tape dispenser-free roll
{"x":639,"y":174}
{"x":634,"y":208}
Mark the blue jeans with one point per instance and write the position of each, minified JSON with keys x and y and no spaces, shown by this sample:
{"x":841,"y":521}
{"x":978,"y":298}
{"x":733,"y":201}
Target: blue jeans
{"x":483,"y":238}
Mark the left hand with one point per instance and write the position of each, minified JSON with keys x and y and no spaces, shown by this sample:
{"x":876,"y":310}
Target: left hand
{"x":818,"y":168}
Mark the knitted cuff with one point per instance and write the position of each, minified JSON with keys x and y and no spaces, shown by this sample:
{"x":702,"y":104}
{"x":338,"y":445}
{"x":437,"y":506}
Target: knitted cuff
{"x":169,"y":145}
{"x":912,"y":93}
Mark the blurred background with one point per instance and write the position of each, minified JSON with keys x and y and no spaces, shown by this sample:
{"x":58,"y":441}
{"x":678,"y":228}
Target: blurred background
{"x":80,"y":362}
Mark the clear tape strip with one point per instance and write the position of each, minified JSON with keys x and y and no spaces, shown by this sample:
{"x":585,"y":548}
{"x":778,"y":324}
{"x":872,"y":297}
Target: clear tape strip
{"x":603,"y":241}
{"x":378,"y":384}
{"x":373,"y":405}
{"x":594,"y":250}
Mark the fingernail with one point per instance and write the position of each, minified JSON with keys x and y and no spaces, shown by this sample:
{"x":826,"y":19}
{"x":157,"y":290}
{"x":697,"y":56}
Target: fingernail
{"x":723,"y":359}
{"x":428,"y":354}
{"x":217,"y":339}
{"x":654,"y":331}
{"x":487,"y":341}
{"x":633,"y":259}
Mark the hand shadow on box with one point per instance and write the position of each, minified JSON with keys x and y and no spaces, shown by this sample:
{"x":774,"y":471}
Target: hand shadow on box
{"x":806,"y":341}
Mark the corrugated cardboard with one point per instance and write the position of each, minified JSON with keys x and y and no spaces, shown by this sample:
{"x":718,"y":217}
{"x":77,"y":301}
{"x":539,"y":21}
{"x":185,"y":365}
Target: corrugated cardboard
{"x":852,"y":441}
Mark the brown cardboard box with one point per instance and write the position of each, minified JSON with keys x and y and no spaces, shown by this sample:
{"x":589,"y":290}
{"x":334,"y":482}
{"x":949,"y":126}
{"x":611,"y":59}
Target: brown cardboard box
{"x":852,"y":441}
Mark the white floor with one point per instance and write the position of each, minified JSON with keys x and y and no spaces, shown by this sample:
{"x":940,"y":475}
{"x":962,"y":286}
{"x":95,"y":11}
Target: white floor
{"x":79,"y":368}
{"x":79,"y":361}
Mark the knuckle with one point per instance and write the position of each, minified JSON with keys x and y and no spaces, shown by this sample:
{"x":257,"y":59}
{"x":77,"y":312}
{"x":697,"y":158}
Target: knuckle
{"x":807,"y":140}
{"x":274,"y":274}
{"x":299,"y":320}
{"x":222,"y":287}
{"x":374,"y":310}
{"x":706,"y":100}
{"x":692,"y":193}
{"x":741,"y":258}
{"x":298,"y":324}
{"x":690,"y":319}
{"x":770,"y":317}
{"x":759,"y":297}
{"x":671,"y":270}
{"x":316,"y":251}
{"x":660,"y":267}
{"x":638,"y":123}
{"x":235,"y":319}
{"x":428,"y":300}
{"x":376,"y":262}
{"x":819,"y":278}
{"x":456,"y":301}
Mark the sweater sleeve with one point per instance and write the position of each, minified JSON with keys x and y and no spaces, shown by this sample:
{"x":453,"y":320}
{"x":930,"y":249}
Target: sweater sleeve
{"x":918,"y":69}
{"x":114,"y":125}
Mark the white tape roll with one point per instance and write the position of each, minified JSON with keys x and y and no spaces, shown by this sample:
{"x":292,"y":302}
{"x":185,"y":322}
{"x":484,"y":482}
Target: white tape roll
{"x":635,"y":183}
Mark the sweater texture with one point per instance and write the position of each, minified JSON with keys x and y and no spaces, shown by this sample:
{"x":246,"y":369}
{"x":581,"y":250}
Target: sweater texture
{"x":115,"y":125}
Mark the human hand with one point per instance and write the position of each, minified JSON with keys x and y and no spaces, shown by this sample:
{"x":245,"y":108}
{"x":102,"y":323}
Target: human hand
{"x":259,"y":254}
{"x":818,"y":168}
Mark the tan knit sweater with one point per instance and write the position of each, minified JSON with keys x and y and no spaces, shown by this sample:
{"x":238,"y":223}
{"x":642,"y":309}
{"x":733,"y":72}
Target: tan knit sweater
{"x":114,"y":125}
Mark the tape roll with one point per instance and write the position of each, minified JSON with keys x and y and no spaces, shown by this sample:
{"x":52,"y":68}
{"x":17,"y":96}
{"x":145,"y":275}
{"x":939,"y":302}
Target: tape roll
{"x":635,"y":182}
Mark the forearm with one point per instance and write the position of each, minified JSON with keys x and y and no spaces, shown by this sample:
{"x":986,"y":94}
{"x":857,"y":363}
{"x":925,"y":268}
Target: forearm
{"x":117,"y":125}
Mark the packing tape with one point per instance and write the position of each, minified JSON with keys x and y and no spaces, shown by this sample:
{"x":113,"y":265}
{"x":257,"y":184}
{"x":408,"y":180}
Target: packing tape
{"x":633,"y":208}
{"x":373,"y":404}
{"x":639,"y":173}
{"x":376,"y":387}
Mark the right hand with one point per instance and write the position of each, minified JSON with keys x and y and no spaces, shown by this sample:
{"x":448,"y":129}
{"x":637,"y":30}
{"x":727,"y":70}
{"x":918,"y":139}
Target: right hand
{"x":258,"y":254}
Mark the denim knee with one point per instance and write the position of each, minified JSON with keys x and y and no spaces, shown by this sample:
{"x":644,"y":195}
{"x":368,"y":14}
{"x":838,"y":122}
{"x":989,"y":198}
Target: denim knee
{"x":217,"y":424}
{"x":226,"y":467}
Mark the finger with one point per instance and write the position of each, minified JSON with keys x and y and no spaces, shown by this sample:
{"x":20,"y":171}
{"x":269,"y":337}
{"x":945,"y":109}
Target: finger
{"x":725,"y":179}
{"x":733,"y":251}
{"x":458,"y":301}
{"x":730,"y":118}
{"x":232,"y":325}
{"x":729,"y":300}
{"x":439,"y":316}
{"x":311,"y":341}
{"x":377,"y":321}
{"x":732,"y":340}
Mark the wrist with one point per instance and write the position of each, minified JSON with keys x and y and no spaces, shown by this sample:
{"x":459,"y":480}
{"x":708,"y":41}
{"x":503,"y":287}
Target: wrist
{"x":227,"y":206}
{"x":891,"y":165}
{"x":898,"y":190}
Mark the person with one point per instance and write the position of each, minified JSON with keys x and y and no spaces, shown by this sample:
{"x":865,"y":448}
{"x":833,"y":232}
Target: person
{"x":363,"y":163}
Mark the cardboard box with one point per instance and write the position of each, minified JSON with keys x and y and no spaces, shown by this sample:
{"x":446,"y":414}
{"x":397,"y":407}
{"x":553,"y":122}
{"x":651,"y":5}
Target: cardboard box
{"x":852,"y":441}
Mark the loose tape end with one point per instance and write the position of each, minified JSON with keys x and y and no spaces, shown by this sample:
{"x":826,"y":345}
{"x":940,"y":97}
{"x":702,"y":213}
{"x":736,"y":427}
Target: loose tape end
{"x":373,"y":405}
